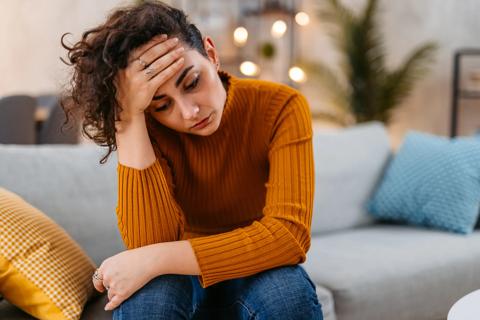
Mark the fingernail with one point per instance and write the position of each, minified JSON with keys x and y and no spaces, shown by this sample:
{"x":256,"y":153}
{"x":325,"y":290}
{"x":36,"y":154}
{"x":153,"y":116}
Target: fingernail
{"x":106,"y":309}
{"x":175,"y":39}
{"x":180,"y":49}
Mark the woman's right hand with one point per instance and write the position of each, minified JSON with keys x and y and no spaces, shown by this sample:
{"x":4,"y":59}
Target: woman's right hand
{"x":150,"y":66}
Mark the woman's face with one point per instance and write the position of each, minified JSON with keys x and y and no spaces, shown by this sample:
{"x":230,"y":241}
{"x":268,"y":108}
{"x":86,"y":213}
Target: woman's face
{"x":192,"y":100}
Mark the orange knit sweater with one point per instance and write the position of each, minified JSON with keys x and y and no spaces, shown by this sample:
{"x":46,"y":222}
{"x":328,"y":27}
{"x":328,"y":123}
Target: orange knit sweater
{"x":242,"y":196}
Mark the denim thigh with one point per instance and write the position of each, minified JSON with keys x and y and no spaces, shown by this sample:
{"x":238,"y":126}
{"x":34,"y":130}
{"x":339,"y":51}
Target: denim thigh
{"x":219,"y":301}
{"x":280,"y":293}
{"x":164,"y":297}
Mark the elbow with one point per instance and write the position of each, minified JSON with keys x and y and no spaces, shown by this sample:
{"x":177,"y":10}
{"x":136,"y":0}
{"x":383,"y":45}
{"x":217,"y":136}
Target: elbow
{"x":300,"y":235}
{"x":303,"y":240}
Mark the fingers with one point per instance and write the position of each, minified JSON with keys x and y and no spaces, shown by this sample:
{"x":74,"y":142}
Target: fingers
{"x":167,"y":73}
{"x":138,"y":52}
{"x":163,"y":62}
{"x":152,"y":65}
{"x":110,"y":294}
{"x":160,"y":47}
{"x":159,"y":50}
{"x":97,"y":280}
{"x":99,"y":286}
{"x":113,"y":303}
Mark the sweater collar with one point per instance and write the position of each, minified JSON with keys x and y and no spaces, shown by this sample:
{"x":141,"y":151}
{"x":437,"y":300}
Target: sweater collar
{"x":231,"y":83}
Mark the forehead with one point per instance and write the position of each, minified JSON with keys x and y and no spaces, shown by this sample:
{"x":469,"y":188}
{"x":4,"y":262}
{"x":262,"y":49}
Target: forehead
{"x":191,"y":58}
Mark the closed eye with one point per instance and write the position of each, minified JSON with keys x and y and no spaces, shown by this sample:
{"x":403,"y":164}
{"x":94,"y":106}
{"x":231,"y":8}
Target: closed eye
{"x":193,"y":84}
{"x":163,"y":107}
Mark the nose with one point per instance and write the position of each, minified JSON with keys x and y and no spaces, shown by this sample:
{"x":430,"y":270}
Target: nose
{"x":189,"y":111}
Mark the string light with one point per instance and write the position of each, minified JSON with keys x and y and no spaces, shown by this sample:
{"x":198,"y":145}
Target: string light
{"x":302,"y":18}
{"x":279,"y":28}
{"x":249,"y":68}
{"x":297,"y":74}
{"x":240,"y":36}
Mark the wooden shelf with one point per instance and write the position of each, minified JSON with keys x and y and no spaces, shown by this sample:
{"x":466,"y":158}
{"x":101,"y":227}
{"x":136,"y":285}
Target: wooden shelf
{"x":458,"y":93}
{"x":468,"y":94}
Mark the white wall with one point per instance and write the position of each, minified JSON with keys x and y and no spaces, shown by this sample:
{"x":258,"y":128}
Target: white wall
{"x":30,"y":49}
{"x":30,"y":32}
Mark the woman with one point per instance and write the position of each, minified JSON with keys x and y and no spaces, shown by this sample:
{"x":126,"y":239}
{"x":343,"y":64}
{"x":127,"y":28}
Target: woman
{"x":215,"y":174}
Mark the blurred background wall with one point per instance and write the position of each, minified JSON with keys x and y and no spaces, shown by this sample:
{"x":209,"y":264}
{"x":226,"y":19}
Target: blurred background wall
{"x":30,"y":47}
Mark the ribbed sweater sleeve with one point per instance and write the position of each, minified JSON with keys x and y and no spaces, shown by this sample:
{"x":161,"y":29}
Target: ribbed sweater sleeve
{"x":282,"y":236}
{"x":147,"y":212}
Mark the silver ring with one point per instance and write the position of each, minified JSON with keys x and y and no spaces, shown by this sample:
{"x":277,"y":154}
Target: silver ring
{"x":143,"y":63}
{"x":96,"y":276}
{"x":149,"y":71}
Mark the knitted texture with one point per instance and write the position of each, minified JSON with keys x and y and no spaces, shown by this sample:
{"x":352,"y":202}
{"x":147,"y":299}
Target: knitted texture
{"x":242,"y":196}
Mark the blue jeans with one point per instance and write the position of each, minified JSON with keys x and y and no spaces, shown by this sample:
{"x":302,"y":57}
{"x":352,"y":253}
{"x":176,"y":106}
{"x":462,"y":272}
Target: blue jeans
{"x":280,"y":293}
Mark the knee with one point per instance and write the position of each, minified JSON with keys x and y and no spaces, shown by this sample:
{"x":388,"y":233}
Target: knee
{"x":283,"y":293}
{"x":164,"y":297}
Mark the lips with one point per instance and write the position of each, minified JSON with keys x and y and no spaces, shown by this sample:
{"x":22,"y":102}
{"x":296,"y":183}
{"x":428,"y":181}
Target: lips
{"x":201,"y":123}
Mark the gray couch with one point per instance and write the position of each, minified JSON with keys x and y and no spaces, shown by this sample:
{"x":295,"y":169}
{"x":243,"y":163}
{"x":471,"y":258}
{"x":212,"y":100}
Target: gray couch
{"x":363,"y":269}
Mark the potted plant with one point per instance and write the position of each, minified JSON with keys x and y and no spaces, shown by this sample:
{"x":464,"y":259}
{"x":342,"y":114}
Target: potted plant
{"x":365,"y":89}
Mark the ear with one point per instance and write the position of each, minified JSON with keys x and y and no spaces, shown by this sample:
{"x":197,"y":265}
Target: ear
{"x":211,"y":51}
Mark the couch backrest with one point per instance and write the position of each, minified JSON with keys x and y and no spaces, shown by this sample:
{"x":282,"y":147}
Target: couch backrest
{"x":348,"y":165}
{"x":69,"y":185}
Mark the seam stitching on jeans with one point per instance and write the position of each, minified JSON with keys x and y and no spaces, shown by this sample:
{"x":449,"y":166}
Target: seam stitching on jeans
{"x":250,"y":312}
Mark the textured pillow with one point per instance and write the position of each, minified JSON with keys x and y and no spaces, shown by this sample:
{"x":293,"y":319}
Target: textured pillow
{"x":42,"y":270}
{"x":432,"y":182}
{"x":79,"y":190}
{"x":348,"y":165}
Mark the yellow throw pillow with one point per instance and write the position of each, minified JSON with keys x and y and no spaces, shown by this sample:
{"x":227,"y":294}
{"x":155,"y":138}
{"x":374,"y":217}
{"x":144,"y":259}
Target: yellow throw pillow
{"x":43,"y":271}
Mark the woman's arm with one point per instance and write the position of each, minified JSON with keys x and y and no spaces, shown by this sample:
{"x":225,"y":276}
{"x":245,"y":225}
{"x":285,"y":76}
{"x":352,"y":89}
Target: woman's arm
{"x":130,"y":270}
{"x":147,"y":212}
{"x":134,"y":147}
{"x":135,"y":92}
{"x":175,"y":257}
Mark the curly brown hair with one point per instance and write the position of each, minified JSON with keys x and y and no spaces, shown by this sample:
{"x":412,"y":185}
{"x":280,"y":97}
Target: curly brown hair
{"x":104,"y":50}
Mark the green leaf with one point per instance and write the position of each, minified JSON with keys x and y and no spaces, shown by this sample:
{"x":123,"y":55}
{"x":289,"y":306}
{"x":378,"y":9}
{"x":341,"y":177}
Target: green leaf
{"x":331,"y":85}
{"x":373,"y":91}
{"x":400,"y":82}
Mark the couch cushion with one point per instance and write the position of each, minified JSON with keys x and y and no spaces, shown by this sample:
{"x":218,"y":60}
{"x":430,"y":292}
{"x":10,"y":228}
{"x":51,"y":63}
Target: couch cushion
{"x":348,"y":165}
{"x":383,"y":270}
{"x":325,"y":297}
{"x":69,"y":185}
{"x":433,"y":182}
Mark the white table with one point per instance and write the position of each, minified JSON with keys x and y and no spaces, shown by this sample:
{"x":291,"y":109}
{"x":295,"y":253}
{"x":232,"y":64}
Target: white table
{"x":467,"y":308}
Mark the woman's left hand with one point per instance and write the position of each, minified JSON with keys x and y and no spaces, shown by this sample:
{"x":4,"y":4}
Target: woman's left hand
{"x":123,"y":274}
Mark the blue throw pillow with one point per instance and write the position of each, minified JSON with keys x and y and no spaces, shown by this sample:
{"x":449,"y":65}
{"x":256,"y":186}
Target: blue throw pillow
{"x":432,"y":182}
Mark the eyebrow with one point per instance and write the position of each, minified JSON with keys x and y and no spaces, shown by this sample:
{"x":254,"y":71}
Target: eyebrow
{"x":177,"y":83}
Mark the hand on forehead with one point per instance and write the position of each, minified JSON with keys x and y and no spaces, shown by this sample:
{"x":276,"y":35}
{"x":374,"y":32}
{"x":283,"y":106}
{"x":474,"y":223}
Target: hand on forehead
{"x":154,"y":48}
